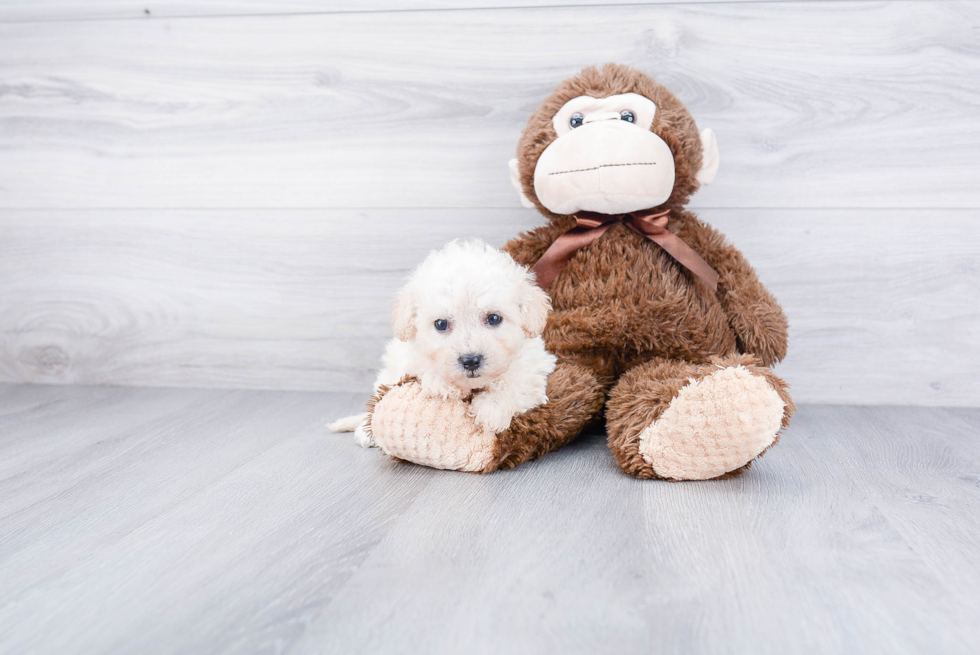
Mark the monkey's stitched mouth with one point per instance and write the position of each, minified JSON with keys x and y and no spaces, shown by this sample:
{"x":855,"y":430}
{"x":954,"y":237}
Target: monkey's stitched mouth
{"x":595,"y":168}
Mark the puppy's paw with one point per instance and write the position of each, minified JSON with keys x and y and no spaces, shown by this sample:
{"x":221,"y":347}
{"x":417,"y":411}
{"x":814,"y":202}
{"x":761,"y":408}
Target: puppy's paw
{"x":363,"y":437}
{"x":437,"y":387}
{"x":491,"y":412}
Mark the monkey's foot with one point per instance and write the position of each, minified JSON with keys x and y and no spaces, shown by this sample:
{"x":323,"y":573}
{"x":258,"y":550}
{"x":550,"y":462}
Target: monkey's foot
{"x":699,"y":421}
{"x":430,"y":431}
{"x":715,"y":425}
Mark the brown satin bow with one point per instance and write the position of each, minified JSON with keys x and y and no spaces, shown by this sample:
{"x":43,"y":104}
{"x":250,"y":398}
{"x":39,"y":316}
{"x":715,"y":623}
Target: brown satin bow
{"x":591,"y":226}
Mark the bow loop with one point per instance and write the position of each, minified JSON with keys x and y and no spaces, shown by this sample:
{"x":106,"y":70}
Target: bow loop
{"x":583,"y":220}
{"x":650,"y":224}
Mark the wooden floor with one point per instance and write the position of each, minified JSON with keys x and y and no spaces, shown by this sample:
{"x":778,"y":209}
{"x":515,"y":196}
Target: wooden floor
{"x":181,"y":520}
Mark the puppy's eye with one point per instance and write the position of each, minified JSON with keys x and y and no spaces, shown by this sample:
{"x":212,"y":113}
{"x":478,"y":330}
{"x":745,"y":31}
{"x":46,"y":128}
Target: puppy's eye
{"x":494,"y":319}
{"x":577,"y":120}
{"x":442,"y":324}
{"x":628,"y":116}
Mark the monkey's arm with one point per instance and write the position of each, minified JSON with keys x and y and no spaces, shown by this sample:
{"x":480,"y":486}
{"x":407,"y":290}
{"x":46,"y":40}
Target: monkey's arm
{"x":443,"y":433}
{"x":754,"y":314}
{"x":527,"y":247}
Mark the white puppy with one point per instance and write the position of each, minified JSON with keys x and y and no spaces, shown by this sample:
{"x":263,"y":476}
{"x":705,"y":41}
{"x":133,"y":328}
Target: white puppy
{"x":469,"y":320}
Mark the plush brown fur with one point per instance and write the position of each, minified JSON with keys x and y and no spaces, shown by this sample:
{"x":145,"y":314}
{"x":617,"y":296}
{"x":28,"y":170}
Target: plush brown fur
{"x":624,"y":309}
{"x":575,"y":396}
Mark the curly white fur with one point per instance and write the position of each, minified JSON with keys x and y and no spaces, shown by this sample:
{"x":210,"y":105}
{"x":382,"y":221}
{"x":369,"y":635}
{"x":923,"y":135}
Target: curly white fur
{"x":463,"y":284}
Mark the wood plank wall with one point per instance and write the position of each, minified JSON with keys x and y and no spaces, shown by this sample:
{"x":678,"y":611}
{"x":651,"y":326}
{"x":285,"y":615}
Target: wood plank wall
{"x":227,"y":193}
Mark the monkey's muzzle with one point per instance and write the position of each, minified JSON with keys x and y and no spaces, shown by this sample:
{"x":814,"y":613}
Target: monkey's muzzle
{"x":609,"y":167}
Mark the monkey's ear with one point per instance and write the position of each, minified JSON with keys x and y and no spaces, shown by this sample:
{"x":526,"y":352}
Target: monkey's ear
{"x":710,"y":157}
{"x":535,"y":305}
{"x":515,"y":179}
{"x":403,"y":315}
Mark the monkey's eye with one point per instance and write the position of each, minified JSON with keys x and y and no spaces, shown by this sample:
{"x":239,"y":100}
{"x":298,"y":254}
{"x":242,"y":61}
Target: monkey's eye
{"x":494,"y":319}
{"x":628,"y":116}
{"x":442,"y":324}
{"x":577,"y":120}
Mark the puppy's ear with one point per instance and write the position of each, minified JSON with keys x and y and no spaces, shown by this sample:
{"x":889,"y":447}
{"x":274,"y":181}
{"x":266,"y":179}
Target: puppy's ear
{"x":403,"y":315}
{"x":535,"y":305}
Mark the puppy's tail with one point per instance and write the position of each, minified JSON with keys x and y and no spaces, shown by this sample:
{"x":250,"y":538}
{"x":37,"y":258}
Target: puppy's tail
{"x":348,"y":423}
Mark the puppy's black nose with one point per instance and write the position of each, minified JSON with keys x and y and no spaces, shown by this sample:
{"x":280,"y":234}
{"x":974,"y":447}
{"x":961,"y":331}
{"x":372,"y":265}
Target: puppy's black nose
{"x":471,"y":362}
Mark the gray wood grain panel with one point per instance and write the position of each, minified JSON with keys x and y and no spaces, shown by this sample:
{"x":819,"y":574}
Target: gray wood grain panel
{"x":213,"y":298}
{"x":884,"y":305}
{"x":62,"y":10}
{"x":237,"y":523}
{"x":816,"y":104}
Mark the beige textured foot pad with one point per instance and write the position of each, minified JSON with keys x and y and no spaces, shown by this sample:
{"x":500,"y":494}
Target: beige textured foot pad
{"x":715,"y":425}
{"x":430,"y":431}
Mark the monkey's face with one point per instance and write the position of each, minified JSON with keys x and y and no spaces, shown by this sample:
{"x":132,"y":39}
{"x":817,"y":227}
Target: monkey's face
{"x":612,"y":149}
{"x":605,"y":158}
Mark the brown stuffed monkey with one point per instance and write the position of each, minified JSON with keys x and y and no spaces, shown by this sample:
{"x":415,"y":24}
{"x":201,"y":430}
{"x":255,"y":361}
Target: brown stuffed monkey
{"x":656,"y":319}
